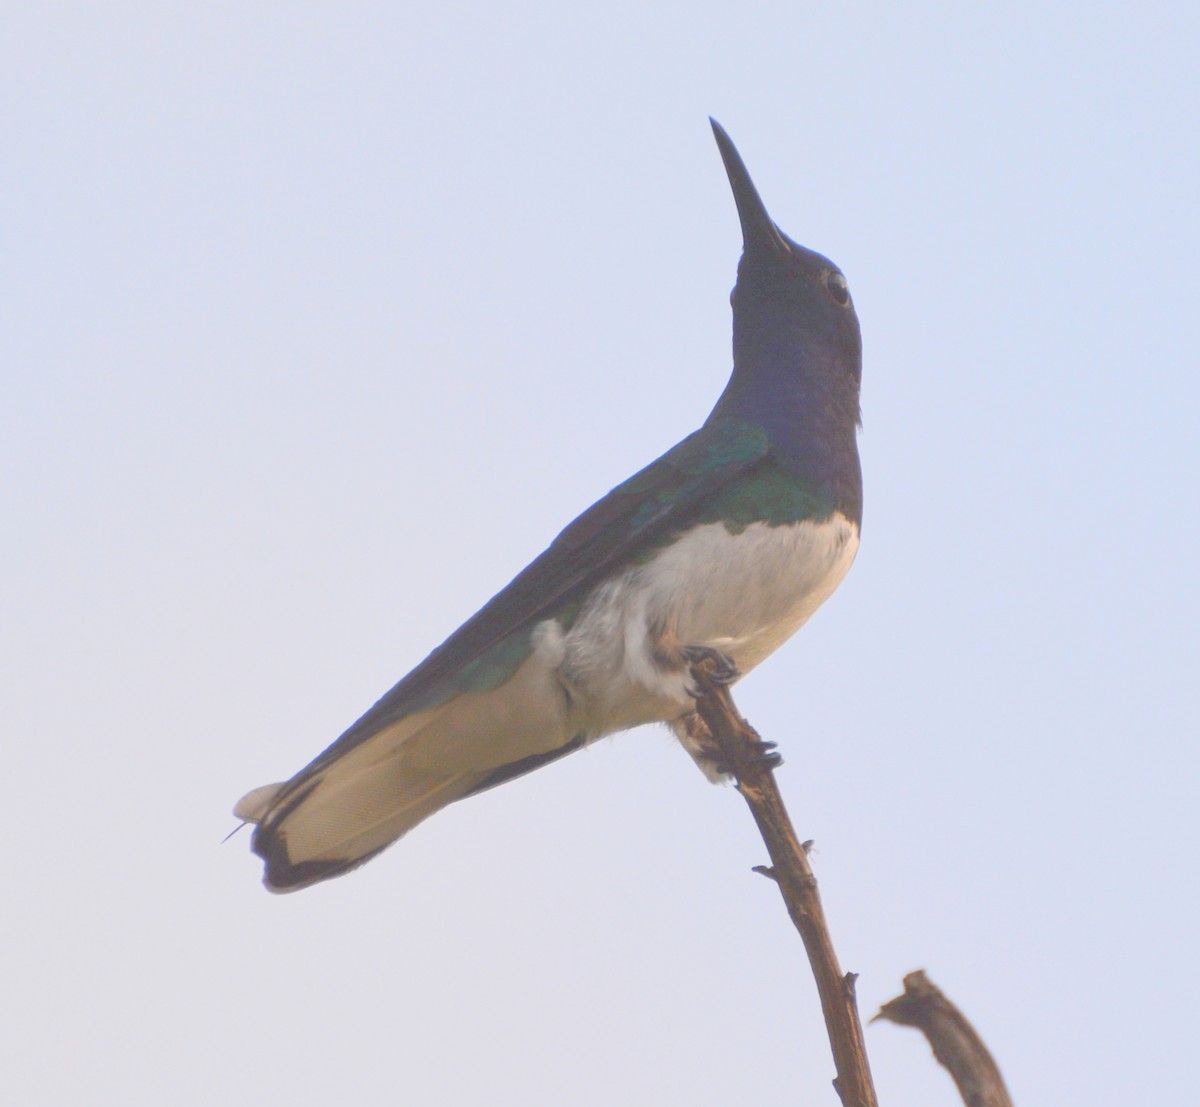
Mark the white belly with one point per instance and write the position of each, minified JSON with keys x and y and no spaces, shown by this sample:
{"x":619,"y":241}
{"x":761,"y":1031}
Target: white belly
{"x":742,"y":594}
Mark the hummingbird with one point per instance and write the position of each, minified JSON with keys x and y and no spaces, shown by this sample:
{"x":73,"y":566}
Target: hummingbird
{"x":721,"y":548}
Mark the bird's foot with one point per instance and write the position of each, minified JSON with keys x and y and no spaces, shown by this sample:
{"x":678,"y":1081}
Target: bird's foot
{"x":723,"y":669}
{"x":754,"y":756}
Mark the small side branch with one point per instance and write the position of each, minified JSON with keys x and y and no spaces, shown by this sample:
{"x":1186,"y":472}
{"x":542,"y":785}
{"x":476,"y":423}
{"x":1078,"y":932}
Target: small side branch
{"x":954,"y":1040}
{"x":748,"y":758}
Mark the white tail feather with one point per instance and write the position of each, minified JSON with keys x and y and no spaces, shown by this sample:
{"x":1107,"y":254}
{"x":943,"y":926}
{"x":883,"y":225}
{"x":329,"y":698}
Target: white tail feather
{"x":254,"y":805}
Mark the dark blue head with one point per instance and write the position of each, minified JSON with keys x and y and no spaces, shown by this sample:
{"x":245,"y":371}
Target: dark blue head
{"x":797,"y":349}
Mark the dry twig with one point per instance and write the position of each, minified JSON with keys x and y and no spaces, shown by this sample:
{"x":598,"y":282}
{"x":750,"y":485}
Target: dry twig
{"x":954,"y":1040}
{"x":748,"y":758}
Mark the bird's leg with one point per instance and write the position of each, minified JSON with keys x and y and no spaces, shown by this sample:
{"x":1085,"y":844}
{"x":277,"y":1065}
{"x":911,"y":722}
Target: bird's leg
{"x":711,"y":672}
{"x":746,"y":756}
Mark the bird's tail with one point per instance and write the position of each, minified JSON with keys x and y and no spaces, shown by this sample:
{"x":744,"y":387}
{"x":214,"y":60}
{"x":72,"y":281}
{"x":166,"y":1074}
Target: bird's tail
{"x":333,"y":816}
{"x":361,"y":795}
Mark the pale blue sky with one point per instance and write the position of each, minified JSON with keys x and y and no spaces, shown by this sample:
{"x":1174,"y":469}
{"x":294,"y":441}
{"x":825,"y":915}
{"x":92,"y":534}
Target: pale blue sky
{"x":318,"y":322}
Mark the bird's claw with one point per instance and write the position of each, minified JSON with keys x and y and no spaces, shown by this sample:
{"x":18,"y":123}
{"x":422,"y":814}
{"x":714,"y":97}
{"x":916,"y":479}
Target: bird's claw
{"x":759,"y":757}
{"x":724,"y":669}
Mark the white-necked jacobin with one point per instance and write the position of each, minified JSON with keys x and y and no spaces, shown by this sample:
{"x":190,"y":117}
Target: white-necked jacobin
{"x":726,"y":544}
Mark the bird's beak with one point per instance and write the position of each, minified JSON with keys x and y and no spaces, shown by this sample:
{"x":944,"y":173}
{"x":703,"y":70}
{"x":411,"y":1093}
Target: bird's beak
{"x":759,"y":233}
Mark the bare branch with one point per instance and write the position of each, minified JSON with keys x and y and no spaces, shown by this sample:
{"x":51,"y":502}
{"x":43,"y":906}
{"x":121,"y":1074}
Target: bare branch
{"x":744,"y":754}
{"x":954,"y":1040}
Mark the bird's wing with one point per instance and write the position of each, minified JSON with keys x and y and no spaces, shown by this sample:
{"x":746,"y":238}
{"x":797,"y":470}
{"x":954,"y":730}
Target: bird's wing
{"x":619,"y":529}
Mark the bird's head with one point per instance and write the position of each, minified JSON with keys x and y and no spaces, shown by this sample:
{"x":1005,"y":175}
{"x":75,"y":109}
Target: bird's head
{"x":793,"y":316}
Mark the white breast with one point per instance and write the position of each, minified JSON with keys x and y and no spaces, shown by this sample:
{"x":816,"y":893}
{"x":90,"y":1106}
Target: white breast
{"x":743,"y":594}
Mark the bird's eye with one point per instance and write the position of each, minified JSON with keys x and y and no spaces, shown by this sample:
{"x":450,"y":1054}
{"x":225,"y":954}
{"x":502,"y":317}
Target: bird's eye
{"x":838,"y":289}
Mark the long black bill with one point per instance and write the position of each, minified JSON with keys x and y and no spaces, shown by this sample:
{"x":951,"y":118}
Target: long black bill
{"x":759,"y":233}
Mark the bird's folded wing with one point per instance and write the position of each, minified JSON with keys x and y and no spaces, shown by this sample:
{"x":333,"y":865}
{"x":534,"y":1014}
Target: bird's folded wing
{"x":619,"y":529}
